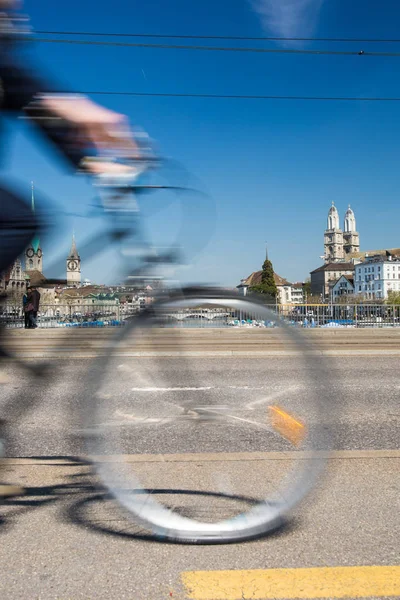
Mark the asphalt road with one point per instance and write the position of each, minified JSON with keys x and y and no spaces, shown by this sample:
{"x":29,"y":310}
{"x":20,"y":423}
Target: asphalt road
{"x":360,"y":394}
{"x":65,"y":540}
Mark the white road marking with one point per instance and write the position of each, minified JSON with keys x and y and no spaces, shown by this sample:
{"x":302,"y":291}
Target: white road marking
{"x":171,"y":389}
{"x":210,"y":387}
{"x":273,"y":397}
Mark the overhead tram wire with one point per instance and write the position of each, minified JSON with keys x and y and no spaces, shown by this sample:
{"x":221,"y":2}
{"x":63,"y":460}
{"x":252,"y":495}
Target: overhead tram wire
{"x":222,"y":37}
{"x":243,"y":96}
{"x":216,"y":48}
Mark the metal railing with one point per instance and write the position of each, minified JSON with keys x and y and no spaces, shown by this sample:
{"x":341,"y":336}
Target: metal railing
{"x":98,"y":315}
{"x":299,"y":315}
{"x":342,"y":315}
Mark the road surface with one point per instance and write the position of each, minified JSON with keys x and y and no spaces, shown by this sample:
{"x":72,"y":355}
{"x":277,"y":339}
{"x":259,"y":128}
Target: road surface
{"x":66,"y":540}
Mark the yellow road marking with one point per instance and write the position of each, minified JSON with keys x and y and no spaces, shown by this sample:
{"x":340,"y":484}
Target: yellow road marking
{"x":215,"y":457}
{"x":325,"y":582}
{"x":290,"y":428}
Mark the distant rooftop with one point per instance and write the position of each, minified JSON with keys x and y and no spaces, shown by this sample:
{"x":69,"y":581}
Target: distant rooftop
{"x":369,"y":253}
{"x":335,"y":267}
{"x":255,"y":279}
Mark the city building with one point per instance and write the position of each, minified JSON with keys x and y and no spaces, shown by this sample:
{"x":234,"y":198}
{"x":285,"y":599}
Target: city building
{"x":377,"y":275}
{"x":361,"y":256}
{"x":85,"y":301}
{"x":283,"y":286}
{"x":14,"y":280}
{"x":298,"y":295}
{"x":342,"y":287}
{"x":323,"y":277}
{"x":340,"y":244}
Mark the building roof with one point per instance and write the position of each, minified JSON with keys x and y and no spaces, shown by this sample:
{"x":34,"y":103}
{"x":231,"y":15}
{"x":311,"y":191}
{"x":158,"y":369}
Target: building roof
{"x":87,"y":291}
{"x":335,"y":267}
{"x":333,"y":283}
{"x":255,"y":279}
{"x":298,"y":284}
{"x":349,"y":279}
{"x":363,"y":255}
{"x":36,"y":278}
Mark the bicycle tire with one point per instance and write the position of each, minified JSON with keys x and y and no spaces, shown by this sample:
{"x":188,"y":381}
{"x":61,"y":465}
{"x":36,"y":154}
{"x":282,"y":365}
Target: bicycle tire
{"x":163,"y":522}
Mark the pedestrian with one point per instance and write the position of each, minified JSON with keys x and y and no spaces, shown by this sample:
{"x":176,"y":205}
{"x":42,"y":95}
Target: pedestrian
{"x":24,"y":304}
{"x":35,"y":300}
{"x":28,"y":309}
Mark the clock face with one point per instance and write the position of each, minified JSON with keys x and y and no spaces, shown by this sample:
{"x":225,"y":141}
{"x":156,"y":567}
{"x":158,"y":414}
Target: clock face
{"x":72,"y":265}
{"x":39,"y":253}
{"x":30,"y":252}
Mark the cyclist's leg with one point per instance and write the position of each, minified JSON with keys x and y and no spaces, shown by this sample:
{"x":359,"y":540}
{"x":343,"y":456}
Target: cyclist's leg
{"x":18,"y":225}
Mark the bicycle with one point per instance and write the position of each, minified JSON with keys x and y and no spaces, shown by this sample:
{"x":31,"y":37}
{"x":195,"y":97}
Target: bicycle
{"x":158,"y":400}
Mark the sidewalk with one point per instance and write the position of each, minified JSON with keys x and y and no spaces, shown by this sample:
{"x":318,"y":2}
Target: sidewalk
{"x":84,"y":343}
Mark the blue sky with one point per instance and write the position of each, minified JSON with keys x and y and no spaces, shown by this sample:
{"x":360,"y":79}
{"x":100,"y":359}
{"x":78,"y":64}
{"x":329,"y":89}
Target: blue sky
{"x":272,"y":167}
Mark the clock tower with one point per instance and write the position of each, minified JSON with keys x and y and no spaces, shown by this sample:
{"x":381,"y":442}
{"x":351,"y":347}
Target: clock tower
{"x":33,"y":253}
{"x":73,"y":266}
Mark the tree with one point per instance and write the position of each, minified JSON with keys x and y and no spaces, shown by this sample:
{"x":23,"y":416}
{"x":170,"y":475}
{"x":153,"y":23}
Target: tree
{"x":393,"y":297}
{"x":352,"y":299}
{"x":267,"y":285}
{"x":307,"y":288}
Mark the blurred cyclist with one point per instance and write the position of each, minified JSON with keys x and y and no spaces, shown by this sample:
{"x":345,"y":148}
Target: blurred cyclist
{"x":90,"y":126}
{"x":76,"y":124}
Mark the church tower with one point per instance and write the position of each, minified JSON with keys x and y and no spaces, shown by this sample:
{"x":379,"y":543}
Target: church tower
{"x":351,"y":237}
{"x":73,"y":265}
{"x":33,"y":253}
{"x":333,"y":238}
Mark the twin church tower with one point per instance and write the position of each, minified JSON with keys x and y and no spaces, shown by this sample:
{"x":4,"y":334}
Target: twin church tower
{"x":339,"y":243}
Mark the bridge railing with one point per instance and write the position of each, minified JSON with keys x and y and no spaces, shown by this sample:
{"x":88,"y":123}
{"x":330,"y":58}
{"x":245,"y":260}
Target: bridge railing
{"x":63,"y":315}
{"x":299,"y":315}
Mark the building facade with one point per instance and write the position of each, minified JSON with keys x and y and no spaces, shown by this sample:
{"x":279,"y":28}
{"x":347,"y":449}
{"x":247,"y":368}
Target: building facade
{"x":342,"y":288}
{"x":323,"y":278}
{"x":376,"y":276}
{"x":298,"y":295}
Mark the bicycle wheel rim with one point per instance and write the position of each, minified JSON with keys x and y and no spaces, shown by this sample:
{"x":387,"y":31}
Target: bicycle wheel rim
{"x":265,"y":516}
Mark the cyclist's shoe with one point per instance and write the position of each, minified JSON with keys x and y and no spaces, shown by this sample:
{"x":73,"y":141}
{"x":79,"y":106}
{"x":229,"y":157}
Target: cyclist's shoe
{"x":9,"y":491}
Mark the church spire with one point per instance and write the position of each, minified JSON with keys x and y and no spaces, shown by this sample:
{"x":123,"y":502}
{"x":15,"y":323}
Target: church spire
{"x":73,"y":265}
{"x":333,"y":218}
{"x":349,"y":221}
{"x":74,"y":252}
{"x":33,"y":253}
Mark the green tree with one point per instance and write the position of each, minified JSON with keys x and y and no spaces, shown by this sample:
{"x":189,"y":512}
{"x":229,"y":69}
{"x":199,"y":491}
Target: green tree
{"x":393,"y":298}
{"x":307,"y":288}
{"x":267,"y":285}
